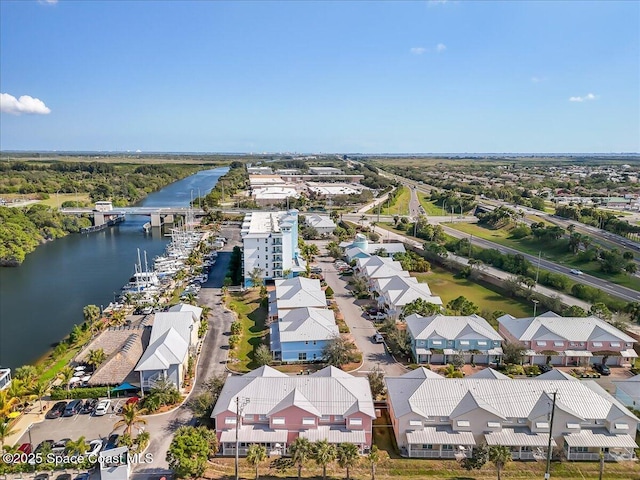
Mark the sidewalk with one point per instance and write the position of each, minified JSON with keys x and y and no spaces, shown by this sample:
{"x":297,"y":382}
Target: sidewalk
{"x":27,"y":419}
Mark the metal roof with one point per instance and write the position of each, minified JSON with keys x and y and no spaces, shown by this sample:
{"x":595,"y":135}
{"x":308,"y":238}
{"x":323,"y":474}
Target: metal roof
{"x":181,"y":322}
{"x":518,"y":437}
{"x":422,"y":372}
{"x":550,"y":325}
{"x":490,"y":373}
{"x":400,"y":291}
{"x":335,"y":435}
{"x":254,"y":434}
{"x":306,"y":324}
{"x":169,"y":349}
{"x":299,"y":292}
{"x":440,"y":436}
{"x":185,"y":307}
{"x":599,"y":438}
{"x":450,"y":327}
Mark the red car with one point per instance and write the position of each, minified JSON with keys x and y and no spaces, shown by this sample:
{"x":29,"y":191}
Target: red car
{"x":25,"y":448}
{"x":132,"y":400}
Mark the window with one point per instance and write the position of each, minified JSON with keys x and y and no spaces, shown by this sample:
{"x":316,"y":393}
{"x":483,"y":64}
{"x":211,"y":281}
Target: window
{"x":230,"y":420}
{"x":541,"y":343}
{"x":573,"y":426}
{"x":248,"y":418}
{"x":444,"y":419}
{"x":464,"y":342}
{"x":580,"y":449}
{"x":615,"y":344}
{"x":427,"y":446}
{"x":463,"y":423}
{"x":542,"y":425}
{"x":278,"y":421}
{"x":263,"y":418}
{"x":597,"y":344}
{"x":415,"y":423}
{"x":306,"y":342}
{"x":325,"y":419}
{"x":621,"y":426}
{"x":302,"y":356}
{"x":522,"y":421}
{"x":338,"y":418}
{"x":482,"y":343}
{"x":493,"y":424}
{"x":309,"y":421}
{"x":447,"y":447}
{"x":436,"y":342}
{"x":314,"y":356}
{"x":314,"y":342}
{"x":558,"y":344}
{"x":355,"y":421}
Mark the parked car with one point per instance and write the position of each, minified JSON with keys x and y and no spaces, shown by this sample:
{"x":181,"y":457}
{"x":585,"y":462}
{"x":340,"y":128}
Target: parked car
{"x":147,"y":311}
{"x":60,"y":445}
{"x":41,"y":476}
{"x":112,"y":442}
{"x":82,"y":476}
{"x":545,"y":368}
{"x":64,"y":476}
{"x":94,"y":447}
{"x":315,"y":270}
{"x":602,"y":369}
{"x":44,"y":444}
{"x":25,"y":448}
{"x":576,"y":271}
{"x":89,"y":405}
{"x":56,"y":411}
{"x":102,"y":408}
{"x":72,"y":408}
{"x":377,"y":338}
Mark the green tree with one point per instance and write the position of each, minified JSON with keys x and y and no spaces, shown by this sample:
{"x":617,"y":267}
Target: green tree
{"x":91,"y":313}
{"x":339,"y":351}
{"x":96,"y":358}
{"x":479,"y":458}
{"x":26,"y":373}
{"x":5,"y":432}
{"x":499,"y":455}
{"x":373,"y":458}
{"x":512,"y":352}
{"x":131,"y":417}
{"x":256,"y":276}
{"x":189,"y":451}
{"x":256,"y":454}
{"x":421,"y":307}
{"x":39,"y":390}
{"x":301,"y":450}
{"x":77,"y":447}
{"x":323,"y":454}
{"x":600,"y":310}
{"x":334,"y":250}
{"x":376,"y":382}
{"x":633,"y":310}
{"x":309,"y":252}
{"x":262,"y":355}
{"x":65,"y":375}
{"x":347,"y":456}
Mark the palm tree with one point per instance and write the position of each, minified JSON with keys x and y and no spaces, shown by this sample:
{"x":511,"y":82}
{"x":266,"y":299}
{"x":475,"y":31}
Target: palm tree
{"x":5,"y":432}
{"x":373,"y":458}
{"x":40,"y":389}
{"x":6,"y":403}
{"x":324,"y":453}
{"x":256,"y":277}
{"x":96,"y":357}
{"x":131,"y":416}
{"x":347,"y":454}
{"x":17,"y":390}
{"x":66,"y":374}
{"x":91,"y":313}
{"x":256,"y":454}
{"x":308,"y":252}
{"x":78,"y":447}
{"x":190,"y":298}
{"x":499,"y":455}
{"x":300,"y":450}
{"x":26,"y":373}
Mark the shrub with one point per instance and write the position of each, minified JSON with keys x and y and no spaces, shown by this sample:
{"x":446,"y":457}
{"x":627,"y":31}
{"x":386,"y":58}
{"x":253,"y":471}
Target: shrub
{"x":233,"y":341}
{"x":515,"y":370}
{"x":88,"y":392}
{"x":236,"y":328}
{"x":329,"y":292}
{"x":532,"y":370}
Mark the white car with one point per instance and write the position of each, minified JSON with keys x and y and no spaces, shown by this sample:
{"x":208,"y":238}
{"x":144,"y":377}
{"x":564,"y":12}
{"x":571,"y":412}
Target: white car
{"x":102,"y":408}
{"x":94,"y":447}
{"x":576,"y":272}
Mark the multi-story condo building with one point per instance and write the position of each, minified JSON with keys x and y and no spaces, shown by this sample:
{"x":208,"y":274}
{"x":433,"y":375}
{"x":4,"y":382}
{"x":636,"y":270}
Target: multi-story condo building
{"x":272,"y":409}
{"x":550,"y":338}
{"x":448,"y":417}
{"x":270,"y":243}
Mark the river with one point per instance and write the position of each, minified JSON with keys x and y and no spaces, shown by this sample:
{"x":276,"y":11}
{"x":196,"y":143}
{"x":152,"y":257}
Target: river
{"x":43,"y":298}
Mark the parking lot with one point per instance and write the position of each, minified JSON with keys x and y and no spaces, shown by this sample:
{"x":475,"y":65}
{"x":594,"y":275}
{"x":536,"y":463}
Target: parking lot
{"x":81,"y":425}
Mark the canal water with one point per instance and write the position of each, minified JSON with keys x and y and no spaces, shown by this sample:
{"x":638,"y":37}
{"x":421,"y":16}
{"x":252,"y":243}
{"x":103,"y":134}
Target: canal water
{"x":42,"y":299}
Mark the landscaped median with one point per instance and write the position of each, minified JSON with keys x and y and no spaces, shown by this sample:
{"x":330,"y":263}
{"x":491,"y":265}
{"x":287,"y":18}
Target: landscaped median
{"x":251,"y":313}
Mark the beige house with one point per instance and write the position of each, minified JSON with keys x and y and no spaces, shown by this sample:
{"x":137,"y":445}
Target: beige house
{"x":448,"y":417}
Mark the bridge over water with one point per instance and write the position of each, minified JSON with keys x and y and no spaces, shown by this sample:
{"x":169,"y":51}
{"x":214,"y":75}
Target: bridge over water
{"x":159,"y":215}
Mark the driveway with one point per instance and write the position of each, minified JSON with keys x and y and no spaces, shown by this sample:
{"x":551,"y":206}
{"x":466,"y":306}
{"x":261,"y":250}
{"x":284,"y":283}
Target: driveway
{"x":362,"y":330}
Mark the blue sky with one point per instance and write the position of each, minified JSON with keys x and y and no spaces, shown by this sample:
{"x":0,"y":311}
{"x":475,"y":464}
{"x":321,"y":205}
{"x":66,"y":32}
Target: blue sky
{"x":376,"y":77}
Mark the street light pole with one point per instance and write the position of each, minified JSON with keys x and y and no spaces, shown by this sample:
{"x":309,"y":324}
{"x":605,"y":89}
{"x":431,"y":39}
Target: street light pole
{"x":547,"y":474}
{"x":239,"y":407}
{"x":535,"y":306}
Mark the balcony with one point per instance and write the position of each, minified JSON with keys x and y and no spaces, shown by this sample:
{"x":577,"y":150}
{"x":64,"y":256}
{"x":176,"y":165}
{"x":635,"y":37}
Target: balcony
{"x":276,"y":250}
{"x":277,"y":258}
{"x":277,"y":241}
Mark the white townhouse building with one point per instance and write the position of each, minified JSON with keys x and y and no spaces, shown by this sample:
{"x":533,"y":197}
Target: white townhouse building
{"x":628,"y":391}
{"x":436,"y":338}
{"x":568,"y":340}
{"x":396,"y":291}
{"x":447,"y":417}
{"x":270,"y":243}
{"x":322,"y":223}
{"x":298,"y":292}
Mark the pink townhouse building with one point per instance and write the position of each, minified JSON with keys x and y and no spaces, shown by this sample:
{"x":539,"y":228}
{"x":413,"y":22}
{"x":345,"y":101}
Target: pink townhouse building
{"x":568,"y":340}
{"x":272,"y":409}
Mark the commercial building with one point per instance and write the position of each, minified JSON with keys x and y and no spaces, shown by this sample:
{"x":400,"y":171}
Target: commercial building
{"x":270,"y":244}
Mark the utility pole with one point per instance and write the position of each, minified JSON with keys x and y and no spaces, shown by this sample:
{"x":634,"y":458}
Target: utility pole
{"x":547,"y":475}
{"x":538,"y":269}
{"x":239,"y":408}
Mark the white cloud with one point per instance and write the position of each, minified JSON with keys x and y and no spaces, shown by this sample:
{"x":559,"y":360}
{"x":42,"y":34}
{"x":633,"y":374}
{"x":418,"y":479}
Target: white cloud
{"x":418,"y":50}
{"x":441,"y":47}
{"x":434,"y":3}
{"x":538,"y":79}
{"x":24,"y":104}
{"x":586,"y":98}
{"x":48,"y":2}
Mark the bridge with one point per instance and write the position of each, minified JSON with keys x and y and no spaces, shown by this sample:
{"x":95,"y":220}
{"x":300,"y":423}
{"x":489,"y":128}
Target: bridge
{"x":159,"y":215}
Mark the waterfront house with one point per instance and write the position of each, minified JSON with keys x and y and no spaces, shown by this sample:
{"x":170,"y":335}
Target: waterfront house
{"x":437,"y":338}
{"x":273,"y":409}
{"x":628,"y":391}
{"x":300,"y":334}
{"x":550,"y":338}
{"x":298,"y":292}
{"x":399,"y":290}
{"x":448,"y":417}
{"x":5,"y":378}
{"x":173,"y":339}
{"x":185,"y":307}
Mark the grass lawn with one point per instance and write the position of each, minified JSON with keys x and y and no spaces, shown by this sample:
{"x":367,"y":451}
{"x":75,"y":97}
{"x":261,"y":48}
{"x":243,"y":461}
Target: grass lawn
{"x":52,"y":372}
{"x":555,"y":252}
{"x":400,"y":205}
{"x":429,"y":206}
{"x":444,"y":284}
{"x":58,"y":200}
{"x":253,"y":317}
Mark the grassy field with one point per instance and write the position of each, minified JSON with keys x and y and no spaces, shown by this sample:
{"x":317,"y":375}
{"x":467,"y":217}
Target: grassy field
{"x":429,"y":206}
{"x":58,"y":200}
{"x":253,"y":317}
{"x":554,"y":252}
{"x":447,"y":286}
{"x":399,"y":206}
